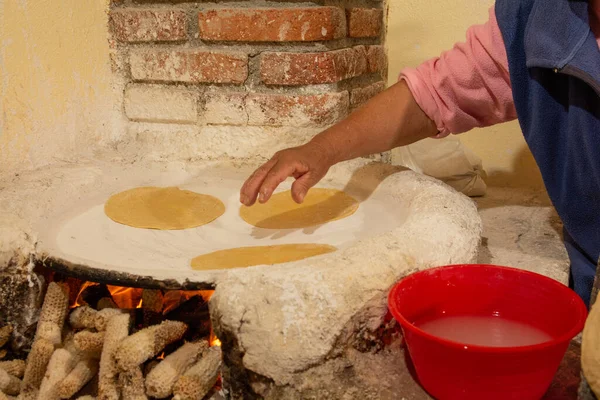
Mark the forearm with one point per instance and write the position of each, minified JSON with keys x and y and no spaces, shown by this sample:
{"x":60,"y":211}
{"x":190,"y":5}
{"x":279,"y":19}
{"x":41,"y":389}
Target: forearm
{"x":390,"y":119}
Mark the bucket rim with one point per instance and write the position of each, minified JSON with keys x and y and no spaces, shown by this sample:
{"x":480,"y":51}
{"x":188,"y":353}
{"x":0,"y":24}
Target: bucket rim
{"x":580,"y":309}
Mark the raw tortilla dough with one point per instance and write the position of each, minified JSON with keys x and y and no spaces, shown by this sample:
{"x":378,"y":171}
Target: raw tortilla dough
{"x":258,"y":255}
{"x":590,"y":349}
{"x":163,"y":208}
{"x":282,"y":212}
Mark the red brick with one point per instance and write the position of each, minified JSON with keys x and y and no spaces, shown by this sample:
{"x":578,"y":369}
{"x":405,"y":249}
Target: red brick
{"x":296,"y":110}
{"x":312,"y":68}
{"x":377,"y":59}
{"x":272,"y":24}
{"x":364,"y":22}
{"x":188,"y":66}
{"x":361,"y":95}
{"x":149,"y":25}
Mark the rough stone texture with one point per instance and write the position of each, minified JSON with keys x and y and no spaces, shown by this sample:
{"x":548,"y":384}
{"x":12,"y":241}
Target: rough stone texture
{"x":566,"y":380}
{"x":364,"y":22}
{"x":377,"y":59}
{"x":16,"y":241}
{"x":63,"y":187}
{"x":226,"y":108}
{"x":21,"y":295}
{"x":132,"y":25}
{"x":296,"y":24}
{"x":312,"y":68}
{"x":521,"y":229}
{"x":189,"y":66}
{"x":395,"y":378}
{"x":361,"y":95}
{"x":155,"y":103}
{"x":59,"y":189}
{"x":290,"y":110}
{"x":585,"y":392}
{"x":168,"y":142}
{"x":355,"y":375}
{"x":311,"y":312}
{"x":238,"y":108}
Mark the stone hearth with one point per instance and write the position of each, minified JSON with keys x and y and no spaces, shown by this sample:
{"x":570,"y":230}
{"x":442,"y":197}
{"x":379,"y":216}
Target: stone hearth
{"x":281,"y":326}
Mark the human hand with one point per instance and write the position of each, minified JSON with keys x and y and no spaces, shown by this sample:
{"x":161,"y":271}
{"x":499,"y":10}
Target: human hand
{"x":308,"y":164}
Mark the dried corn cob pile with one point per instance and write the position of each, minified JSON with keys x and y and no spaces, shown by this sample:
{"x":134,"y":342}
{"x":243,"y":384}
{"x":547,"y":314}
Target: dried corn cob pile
{"x":99,"y":354}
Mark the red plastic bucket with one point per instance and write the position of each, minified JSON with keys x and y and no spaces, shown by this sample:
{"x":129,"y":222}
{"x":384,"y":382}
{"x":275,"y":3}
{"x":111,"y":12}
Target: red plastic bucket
{"x":452,"y":370}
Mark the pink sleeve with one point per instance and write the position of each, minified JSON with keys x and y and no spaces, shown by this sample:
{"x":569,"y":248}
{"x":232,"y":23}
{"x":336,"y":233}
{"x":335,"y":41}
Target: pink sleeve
{"x":468,"y":86}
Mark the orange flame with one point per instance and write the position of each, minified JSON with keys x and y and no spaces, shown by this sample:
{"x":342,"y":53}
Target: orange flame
{"x":126,"y":297}
{"x":174,"y":298}
{"x":78,"y":301}
{"x":188,"y":294}
{"x":213,"y":339}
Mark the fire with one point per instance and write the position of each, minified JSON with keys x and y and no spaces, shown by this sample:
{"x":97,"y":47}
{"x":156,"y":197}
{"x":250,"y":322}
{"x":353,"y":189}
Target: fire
{"x":78,"y":301}
{"x":174,"y":298}
{"x":213,"y":339}
{"x":205,"y":294}
{"x":126,"y":297}
{"x":129,"y":298}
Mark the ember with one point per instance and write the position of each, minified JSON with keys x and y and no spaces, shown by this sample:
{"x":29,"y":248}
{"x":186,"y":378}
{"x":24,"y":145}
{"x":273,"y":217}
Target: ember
{"x":119,"y":342}
{"x":214,"y":341}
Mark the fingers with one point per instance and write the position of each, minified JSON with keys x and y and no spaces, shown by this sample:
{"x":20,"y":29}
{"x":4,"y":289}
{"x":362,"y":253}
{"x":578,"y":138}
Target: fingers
{"x":249,"y":190}
{"x":279,"y":173}
{"x":263,"y":182}
{"x":302,"y":185}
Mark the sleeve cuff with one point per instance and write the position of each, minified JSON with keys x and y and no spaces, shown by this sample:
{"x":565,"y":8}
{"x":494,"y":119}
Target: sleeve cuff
{"x":424,"y":99}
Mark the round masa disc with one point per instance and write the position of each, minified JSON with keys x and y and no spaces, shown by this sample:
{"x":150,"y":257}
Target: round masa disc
{"x":259,"y":255}
{"x":167,"y":208}
{"x":282,"y":212}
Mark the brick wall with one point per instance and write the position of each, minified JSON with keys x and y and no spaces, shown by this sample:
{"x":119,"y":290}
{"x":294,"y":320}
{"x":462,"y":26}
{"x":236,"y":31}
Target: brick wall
{"x":247,"y":64}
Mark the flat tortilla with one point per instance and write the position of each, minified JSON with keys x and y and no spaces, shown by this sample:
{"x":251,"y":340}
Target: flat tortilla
{"x":258,"y":255}
{"x":282,"y":212}
{"x":167,"y":208}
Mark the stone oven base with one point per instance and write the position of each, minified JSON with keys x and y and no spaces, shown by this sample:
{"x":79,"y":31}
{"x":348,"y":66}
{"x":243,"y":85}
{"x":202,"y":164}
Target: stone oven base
{"x":287,"y":323}
{"x":388,"y":375}
{"x":385,"y":375}
{"x":354,"y":375}
{"x":282,"y":338}
{"x":21,"y":295}
{"x":81,"y":239}
{"x":354,"y":360}
{"x":521,"y":229}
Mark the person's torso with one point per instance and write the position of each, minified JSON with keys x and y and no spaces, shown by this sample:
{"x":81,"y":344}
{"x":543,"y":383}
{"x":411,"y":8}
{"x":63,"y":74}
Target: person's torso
{"x":554,"y":65}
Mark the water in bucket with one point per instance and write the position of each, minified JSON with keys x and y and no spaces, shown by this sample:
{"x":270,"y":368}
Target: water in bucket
{"x":488,"y":331}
